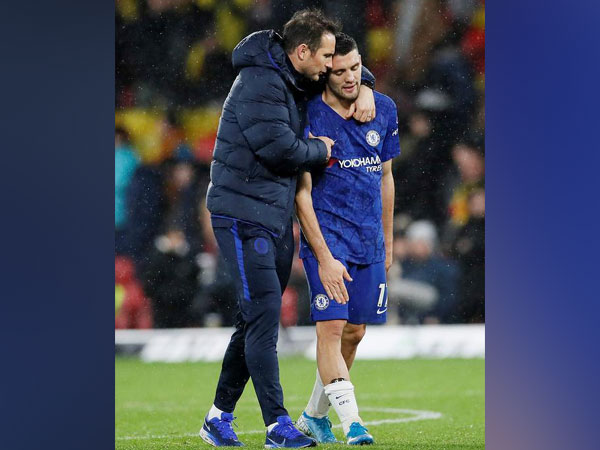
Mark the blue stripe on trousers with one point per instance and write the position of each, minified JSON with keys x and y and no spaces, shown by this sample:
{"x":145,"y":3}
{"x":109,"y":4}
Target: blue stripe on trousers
{"x":240,"y":260}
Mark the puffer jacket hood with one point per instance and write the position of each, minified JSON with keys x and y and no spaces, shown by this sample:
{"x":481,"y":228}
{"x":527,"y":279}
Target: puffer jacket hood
{"x":264,"y":49}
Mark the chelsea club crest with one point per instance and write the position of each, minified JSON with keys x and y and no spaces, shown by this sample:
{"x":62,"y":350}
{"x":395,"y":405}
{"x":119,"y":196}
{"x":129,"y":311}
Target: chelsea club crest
{"x":321,"y":302}
{"x":373,"y":138}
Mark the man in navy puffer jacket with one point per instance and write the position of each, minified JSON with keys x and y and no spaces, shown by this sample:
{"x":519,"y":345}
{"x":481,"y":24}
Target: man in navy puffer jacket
{"x":261,"y":147}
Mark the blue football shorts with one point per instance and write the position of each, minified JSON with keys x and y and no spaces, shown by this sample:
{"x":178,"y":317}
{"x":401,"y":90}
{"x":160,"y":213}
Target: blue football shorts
{"x":368,"y":294}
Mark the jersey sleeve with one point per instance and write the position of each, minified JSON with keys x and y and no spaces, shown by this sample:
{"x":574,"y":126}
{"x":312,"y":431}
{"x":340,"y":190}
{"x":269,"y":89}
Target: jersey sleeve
{"x":391,"y":143}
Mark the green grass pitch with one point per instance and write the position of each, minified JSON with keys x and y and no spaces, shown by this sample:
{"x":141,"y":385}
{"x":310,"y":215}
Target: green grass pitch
{"x":406,"y":404}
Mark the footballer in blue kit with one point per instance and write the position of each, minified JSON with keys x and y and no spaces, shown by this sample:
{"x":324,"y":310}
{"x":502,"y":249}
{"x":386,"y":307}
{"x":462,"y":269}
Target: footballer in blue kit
{"x":346,"y":216}
{"x":346,"y":198}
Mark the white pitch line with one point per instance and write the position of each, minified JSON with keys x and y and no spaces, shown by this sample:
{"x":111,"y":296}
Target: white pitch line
{"x":156,"y":436}
{"x":417,"y":415}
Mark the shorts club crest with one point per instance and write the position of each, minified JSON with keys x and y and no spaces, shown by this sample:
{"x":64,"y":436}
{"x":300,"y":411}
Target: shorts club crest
{"x":367,"y":291}
{"x":321,"y":302}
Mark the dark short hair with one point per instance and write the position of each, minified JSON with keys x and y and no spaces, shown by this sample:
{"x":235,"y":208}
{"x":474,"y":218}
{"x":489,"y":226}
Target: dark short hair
{"x":344,"y":44}
{"x":475,"y":142}
{"x":307,"y":26}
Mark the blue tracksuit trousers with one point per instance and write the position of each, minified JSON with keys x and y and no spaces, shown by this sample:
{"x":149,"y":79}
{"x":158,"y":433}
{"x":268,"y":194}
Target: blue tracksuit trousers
{"x":260,"y":265}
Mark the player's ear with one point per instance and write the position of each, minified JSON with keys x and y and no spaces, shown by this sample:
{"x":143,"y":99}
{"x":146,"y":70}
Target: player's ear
{"x":302,"y":52}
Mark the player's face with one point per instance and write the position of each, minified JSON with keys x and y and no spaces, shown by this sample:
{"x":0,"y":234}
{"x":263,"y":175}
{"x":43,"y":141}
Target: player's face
{"x":344,"y":78}
{"x":319,"y":62}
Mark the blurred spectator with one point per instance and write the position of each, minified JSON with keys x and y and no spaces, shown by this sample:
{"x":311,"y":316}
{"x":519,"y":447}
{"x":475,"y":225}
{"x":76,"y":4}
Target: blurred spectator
{"x":171,"y":134}
{"x":216,"y":303}
{"x":448,"y":91}
{"x":132,"y":308}
{"x":289,"y":307}
{"x":162,"y":195}
{"x":470,"y":164}
{"x":469,"y":249}
{"x":146,"y":201}
{"x":462,"y":10}
{"x":420,"y":170}
{"x":422,"y":24}
{"x":185,"y":185}
{"x":295,"y":307}
{"x":170,"y":279}
{"x":423,"y":264}
{"x":473,"y":42}
{"x":126,"y":162}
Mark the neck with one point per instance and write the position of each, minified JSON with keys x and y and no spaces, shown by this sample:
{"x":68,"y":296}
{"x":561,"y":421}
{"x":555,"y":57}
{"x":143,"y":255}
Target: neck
{"x":339,"y":105}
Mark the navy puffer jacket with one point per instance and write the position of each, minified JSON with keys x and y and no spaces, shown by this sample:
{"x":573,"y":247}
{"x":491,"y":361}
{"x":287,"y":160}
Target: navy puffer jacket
{"x":260,"y":145}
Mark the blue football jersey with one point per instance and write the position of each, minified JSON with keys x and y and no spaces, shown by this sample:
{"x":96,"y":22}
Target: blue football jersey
{"x":347,"y":193}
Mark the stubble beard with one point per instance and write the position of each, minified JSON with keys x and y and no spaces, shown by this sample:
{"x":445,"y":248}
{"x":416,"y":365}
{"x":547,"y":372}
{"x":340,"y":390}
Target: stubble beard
{"x":339,"y":93}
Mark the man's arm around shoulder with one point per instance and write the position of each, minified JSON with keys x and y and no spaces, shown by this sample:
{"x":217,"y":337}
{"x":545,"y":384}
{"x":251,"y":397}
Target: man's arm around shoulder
{"x":264,"y":115}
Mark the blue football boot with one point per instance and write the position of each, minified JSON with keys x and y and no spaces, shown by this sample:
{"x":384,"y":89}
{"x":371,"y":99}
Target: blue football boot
{"x":357,"y":435}
{"x":285,"y":435}
{"x":219,"y":432}
{"x":320,"y":429}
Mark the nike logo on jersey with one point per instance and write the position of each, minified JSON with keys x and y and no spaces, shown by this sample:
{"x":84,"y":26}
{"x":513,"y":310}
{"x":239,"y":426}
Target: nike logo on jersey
{"x":381,"y":311}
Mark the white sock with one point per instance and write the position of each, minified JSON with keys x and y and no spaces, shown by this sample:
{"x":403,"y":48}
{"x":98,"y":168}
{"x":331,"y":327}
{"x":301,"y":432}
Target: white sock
{"x":341,"y":396}
{"x":214,"y":412}
{"x":270,"y":427}
{"x":318,"y":404}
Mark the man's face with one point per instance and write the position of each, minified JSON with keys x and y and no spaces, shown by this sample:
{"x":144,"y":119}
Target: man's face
{"x":319,"y":62}
{"x":420,"y":249}
{"x":182,"y":175}
{"x":477,"y":204}
{"x":469,"y":162}
{"x":344,"y":79}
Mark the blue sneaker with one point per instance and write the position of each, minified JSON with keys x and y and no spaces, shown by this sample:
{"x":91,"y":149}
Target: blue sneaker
{"x":358,"y":435}
{"x":320,"y":429}
{"x":219,"y":433}
{"x":285,"y":435}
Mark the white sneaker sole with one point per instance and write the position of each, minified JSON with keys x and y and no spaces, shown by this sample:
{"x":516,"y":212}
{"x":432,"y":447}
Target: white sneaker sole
{"x":206,"y":437}
{"x":303,"y":426}
{"x":361,"y":440}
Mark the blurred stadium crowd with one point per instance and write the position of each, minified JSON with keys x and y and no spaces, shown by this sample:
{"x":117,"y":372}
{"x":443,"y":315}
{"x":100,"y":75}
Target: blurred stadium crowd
{"x":173,"y":71}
